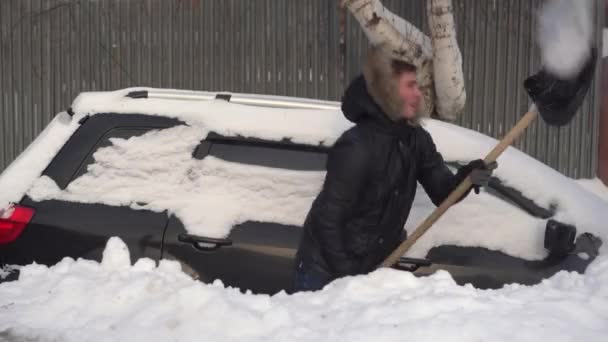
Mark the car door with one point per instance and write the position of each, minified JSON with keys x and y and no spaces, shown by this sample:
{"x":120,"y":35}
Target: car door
{"x":62,"y":228}
{"x":257,"y":255}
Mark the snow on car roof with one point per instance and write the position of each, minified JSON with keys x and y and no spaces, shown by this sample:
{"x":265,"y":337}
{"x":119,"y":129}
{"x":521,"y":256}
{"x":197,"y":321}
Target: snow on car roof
{"x":513,"y":232}
{"x":306,"y":126}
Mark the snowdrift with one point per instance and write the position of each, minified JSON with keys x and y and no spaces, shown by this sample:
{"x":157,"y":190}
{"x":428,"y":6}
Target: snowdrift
{"x":113,"y":301}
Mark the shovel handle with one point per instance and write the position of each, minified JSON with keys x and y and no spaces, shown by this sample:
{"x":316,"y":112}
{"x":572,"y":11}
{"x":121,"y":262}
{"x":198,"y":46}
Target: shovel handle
{"x":512,"y":135}
{"x":461,"y":189}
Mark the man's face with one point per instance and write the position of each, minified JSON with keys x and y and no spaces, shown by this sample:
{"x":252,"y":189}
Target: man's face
{"x":410,"y":94}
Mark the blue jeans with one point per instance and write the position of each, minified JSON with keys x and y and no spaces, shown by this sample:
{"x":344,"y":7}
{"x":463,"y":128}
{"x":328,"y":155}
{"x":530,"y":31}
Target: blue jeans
{"x":308,"y":277}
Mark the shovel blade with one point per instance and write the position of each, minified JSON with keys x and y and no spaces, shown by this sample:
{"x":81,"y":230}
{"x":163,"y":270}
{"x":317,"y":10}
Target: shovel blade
{"x":558,"y":100}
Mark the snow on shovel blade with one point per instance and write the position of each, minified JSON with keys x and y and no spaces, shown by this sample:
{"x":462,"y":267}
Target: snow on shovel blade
{"x":557,"y":100}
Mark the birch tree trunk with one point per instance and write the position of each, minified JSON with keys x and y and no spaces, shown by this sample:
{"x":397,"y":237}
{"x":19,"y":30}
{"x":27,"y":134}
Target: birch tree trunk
{"x":437,"y":57}
{"x":448,"y":77}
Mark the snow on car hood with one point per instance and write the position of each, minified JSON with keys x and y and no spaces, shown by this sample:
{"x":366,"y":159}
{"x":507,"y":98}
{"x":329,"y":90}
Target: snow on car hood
{"x":479,"y":221}
{"x":81,"y":301}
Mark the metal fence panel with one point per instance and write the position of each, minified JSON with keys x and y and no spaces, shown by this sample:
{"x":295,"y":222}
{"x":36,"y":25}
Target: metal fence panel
{"x":51,"y":50}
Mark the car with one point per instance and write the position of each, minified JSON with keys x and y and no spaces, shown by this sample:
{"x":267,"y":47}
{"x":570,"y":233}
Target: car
{"x":222,"y":182}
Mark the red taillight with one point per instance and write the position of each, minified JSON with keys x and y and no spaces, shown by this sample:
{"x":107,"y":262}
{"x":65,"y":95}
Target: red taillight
{"x":12,"y":222}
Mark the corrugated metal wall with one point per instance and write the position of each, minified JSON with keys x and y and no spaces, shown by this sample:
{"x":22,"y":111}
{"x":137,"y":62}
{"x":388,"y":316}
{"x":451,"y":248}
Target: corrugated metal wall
{"x":51,"y":50}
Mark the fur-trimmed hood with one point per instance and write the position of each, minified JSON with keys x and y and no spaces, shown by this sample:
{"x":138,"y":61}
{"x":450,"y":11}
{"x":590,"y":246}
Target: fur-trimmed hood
{"x":381,"y":84}
{"x":375,"y":93}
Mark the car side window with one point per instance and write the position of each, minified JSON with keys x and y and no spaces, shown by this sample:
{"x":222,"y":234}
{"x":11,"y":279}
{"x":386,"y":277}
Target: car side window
{"x":211,"y":188}
{"x":263,"y":154}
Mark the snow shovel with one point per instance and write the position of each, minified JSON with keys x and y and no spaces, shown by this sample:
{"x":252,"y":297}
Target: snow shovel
{"x":555,"y":99}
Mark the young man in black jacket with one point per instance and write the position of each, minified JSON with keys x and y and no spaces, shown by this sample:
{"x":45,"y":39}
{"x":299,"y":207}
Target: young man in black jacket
{"x":372,"y":172}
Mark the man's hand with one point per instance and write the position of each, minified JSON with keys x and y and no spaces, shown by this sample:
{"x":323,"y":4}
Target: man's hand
{"x":480,"y":173}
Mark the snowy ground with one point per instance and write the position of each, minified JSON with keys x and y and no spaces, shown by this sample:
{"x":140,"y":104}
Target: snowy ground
{"x":114,"y":301}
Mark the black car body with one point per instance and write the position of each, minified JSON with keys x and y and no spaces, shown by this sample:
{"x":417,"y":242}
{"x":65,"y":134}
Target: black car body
{"x":257,"y":256}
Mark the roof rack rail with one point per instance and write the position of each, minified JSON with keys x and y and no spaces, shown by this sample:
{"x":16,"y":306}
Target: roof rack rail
{"x":244,"y":99}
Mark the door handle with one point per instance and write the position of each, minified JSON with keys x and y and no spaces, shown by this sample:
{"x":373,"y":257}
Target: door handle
{"x":411,"y":264}
{"x":202,"y":243}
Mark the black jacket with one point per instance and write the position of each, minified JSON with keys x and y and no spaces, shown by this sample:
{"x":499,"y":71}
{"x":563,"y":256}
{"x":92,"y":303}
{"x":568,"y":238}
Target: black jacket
{"x":372,"y":170}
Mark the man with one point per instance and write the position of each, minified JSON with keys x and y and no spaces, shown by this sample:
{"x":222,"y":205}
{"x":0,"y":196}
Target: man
{"x":372,"y":171}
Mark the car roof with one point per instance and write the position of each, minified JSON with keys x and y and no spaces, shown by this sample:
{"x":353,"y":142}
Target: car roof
{"x":303,"y":121}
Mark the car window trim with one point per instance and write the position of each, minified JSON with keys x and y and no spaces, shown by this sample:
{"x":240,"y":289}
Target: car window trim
{"x":98,"y":142}
{"x":284,"y":144}
{"x":85,"y":139}
{"x":514,"y":197}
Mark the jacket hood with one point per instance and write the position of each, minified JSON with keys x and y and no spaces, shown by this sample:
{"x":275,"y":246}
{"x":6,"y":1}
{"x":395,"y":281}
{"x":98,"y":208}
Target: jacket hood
{"x":358,"y":105}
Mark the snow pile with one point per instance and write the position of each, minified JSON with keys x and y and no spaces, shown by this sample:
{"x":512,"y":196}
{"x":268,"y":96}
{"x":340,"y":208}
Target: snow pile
{"x":113,"y":301}
{"x":565,"y":35}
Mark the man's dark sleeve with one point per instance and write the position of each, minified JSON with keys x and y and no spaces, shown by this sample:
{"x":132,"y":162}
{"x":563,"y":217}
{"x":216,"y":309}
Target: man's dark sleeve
{"x":348,"y":167}
{"x":434,"y":175}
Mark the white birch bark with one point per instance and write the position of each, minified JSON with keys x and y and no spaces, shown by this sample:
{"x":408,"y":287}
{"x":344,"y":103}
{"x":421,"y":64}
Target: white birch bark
{"x":448,"y":77}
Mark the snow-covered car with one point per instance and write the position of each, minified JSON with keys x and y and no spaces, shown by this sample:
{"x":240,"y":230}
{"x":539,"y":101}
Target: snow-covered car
{"x":222,"y":183}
